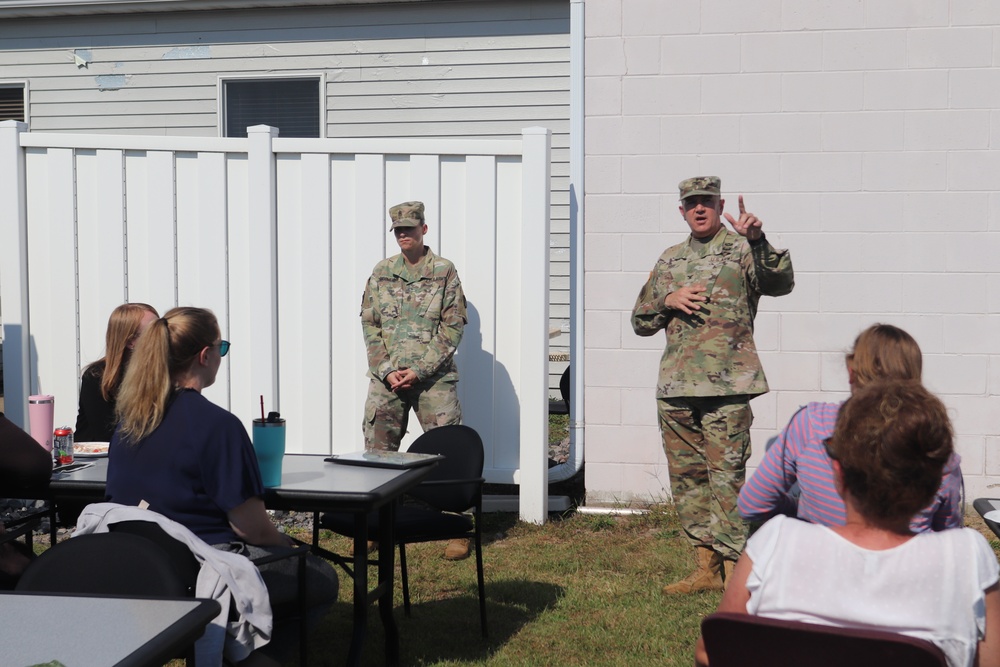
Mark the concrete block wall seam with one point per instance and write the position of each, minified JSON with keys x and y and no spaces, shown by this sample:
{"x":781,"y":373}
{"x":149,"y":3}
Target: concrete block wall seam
{"x":950,"y":47}
{"x":975,"y":13}
{"x":972,"y":334}
{"x":734,"y":16}
{"x":904,"y":171}
{"x":906,"y":13}
{"x":948,"y":130}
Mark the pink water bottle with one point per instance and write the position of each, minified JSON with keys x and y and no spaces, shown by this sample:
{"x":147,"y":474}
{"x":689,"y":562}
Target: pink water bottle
{"x":41,"y":414}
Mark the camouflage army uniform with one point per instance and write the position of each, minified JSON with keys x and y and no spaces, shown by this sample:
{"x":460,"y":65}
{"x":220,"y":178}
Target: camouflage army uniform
{"x":708,"y":374}
{"x":412,"y":317}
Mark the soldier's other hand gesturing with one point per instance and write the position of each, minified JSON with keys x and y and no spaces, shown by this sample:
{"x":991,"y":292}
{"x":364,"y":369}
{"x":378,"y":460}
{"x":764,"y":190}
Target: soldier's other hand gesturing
{"x":686,"y":299}
{"x":749,"y":225}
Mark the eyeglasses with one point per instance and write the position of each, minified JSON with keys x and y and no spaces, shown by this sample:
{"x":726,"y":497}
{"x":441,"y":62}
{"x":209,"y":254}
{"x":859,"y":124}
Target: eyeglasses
{"x":826,"y":446}
{"x":708,"y":201}
{"x":223,"y":346}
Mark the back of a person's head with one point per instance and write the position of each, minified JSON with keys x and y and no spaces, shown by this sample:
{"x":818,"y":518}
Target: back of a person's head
{"x":892,"y":440}
{"x":123,"y":328}
{"x":164,"y":351}
{"x":884,"y":352}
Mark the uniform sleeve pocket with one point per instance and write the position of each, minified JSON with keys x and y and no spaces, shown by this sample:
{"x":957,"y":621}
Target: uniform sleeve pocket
{"x":738,"y":421}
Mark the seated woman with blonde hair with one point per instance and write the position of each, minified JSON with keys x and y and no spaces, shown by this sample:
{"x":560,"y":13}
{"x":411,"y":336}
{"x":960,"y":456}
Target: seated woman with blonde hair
{"x":797,"y":457}
{"x":192,"y":461}
{"x":891,"y":441}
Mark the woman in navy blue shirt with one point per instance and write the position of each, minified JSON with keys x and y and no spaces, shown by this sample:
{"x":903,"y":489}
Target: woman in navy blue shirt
{"x":191,"y":460}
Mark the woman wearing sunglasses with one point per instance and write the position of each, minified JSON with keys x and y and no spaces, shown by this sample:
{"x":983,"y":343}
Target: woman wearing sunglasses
{"x":191,"y":460}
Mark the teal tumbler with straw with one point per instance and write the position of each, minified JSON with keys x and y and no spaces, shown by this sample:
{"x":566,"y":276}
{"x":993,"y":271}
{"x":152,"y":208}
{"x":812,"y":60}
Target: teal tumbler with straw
{"x":269,"y":444}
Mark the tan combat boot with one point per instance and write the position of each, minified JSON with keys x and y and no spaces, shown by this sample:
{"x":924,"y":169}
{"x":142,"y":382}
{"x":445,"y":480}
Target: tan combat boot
{"x":457,"y":549}
{"x":708,"y":576}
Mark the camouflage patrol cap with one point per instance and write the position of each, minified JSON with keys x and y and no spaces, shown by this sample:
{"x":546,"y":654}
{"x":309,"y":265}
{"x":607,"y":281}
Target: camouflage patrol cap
{"x":701,"y":185}
{"x":407,"y":214}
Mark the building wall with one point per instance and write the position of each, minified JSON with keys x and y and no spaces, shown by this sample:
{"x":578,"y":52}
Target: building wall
{"x":864,"y":133}
{"x":429,"y":69}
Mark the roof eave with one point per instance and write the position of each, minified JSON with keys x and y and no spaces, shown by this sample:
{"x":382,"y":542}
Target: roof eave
{"x":46,"y":8}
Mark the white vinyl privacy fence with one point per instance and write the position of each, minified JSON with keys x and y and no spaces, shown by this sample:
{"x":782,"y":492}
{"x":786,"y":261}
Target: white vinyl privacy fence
{"x":277,"y":237}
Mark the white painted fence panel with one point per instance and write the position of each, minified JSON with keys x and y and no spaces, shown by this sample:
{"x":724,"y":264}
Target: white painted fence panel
{"x":278,"y":237}
{"x":149,"y":205}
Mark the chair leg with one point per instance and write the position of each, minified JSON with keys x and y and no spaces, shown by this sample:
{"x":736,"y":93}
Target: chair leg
{"x":406,"y":581}
{"x":303,"y":627}
{"x":482,"y":583}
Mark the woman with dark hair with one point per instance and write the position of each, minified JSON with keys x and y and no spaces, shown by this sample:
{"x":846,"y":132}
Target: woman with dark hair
{"x":95,"y":420}
{"x":890,"y":444}
{"x":797,"y":457}
{"x":186,"y":458}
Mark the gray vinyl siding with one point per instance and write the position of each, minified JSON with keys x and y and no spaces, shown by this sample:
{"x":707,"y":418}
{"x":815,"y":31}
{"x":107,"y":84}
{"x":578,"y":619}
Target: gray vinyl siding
{"x":429,"y":69}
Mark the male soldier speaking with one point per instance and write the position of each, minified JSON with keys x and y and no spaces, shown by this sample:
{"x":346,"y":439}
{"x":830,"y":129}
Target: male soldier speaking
{"x":412,"y":315}
{"x":704,"y":292}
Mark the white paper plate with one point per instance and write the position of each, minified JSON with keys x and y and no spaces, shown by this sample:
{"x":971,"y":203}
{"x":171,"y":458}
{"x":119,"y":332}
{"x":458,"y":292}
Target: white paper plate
{"x":90,"y":449}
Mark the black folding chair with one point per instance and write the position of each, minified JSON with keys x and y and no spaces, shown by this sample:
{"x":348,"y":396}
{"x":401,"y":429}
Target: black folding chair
{"x":137,"y":558}
{"x":742,"y":640}
{"x":561,"y":407}
{"x":188,"y":566}
{"x":21,"y":527}
{"x":986,"y":505}
{"x":107,"y":564}
{"x":445,"y":496}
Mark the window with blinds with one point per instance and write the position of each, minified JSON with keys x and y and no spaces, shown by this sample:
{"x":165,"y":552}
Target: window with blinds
{"x":12,"y":103}
{"x":291,"y":105}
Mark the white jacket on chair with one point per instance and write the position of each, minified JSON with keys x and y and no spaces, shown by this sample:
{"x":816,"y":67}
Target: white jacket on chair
{"x":224,"y":577}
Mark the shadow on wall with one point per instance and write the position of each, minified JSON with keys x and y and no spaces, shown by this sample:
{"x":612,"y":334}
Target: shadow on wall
{"x":489,"y":402}
{"x":18,"y":411}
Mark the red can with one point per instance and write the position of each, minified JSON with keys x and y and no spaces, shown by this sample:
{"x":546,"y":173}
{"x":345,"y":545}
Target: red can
{"x":62,"y":445}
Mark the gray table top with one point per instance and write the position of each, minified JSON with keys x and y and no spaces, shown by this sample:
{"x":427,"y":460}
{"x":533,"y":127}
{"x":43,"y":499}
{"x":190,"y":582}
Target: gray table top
{"x":81,"y":631}
{"x":307,"y":483}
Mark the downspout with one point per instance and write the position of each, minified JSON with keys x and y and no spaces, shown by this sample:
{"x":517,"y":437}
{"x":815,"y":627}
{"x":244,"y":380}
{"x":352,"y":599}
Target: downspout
{"x":574,"y":463}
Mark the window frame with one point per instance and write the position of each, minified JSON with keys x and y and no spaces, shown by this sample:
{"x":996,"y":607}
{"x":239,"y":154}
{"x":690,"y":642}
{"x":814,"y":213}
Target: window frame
{"x":25,"y":96}
{"x":320,"y":78}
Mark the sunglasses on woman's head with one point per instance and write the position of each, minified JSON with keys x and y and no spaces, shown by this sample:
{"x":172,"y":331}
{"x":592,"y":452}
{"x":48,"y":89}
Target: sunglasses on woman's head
{"x":223,"y":346}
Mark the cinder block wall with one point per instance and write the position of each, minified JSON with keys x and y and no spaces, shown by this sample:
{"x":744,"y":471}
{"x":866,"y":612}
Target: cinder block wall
{"x":864,"y":133}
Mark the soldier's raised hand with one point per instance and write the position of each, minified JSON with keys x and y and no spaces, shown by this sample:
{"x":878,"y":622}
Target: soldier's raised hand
{"x":685,"y":299}
{"x":749,"y":225}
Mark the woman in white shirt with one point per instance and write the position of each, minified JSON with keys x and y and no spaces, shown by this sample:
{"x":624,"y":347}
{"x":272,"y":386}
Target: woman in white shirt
{"x":890,"y":444}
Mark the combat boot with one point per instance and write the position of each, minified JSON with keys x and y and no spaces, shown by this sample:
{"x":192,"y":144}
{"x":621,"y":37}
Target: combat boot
{"x":708,"y":576}
{"x":457,"y":549}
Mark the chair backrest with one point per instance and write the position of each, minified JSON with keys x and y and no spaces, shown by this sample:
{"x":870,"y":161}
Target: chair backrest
{"x":181,"y":558}
{"x":564,"y":387}
{"x":754,"y":641}
{"x":463,"y":451}
{"x":104,"y":564}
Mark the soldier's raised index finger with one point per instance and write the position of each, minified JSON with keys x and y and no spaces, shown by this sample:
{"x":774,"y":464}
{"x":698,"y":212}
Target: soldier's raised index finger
{"x":743,"y":209}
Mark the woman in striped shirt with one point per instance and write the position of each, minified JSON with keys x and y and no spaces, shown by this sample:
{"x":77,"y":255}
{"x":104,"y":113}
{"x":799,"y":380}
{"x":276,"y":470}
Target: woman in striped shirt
{"x":797,"y":458}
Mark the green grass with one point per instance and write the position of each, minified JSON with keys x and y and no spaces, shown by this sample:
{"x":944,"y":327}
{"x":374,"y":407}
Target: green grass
{"x":558,"y":428}
{"x":581,"y":590}
{"x":584,"y":590}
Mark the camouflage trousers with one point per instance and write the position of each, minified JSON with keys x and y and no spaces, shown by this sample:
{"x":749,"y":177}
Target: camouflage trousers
{"x":707,"y":443}
{"x":387,"y":413}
